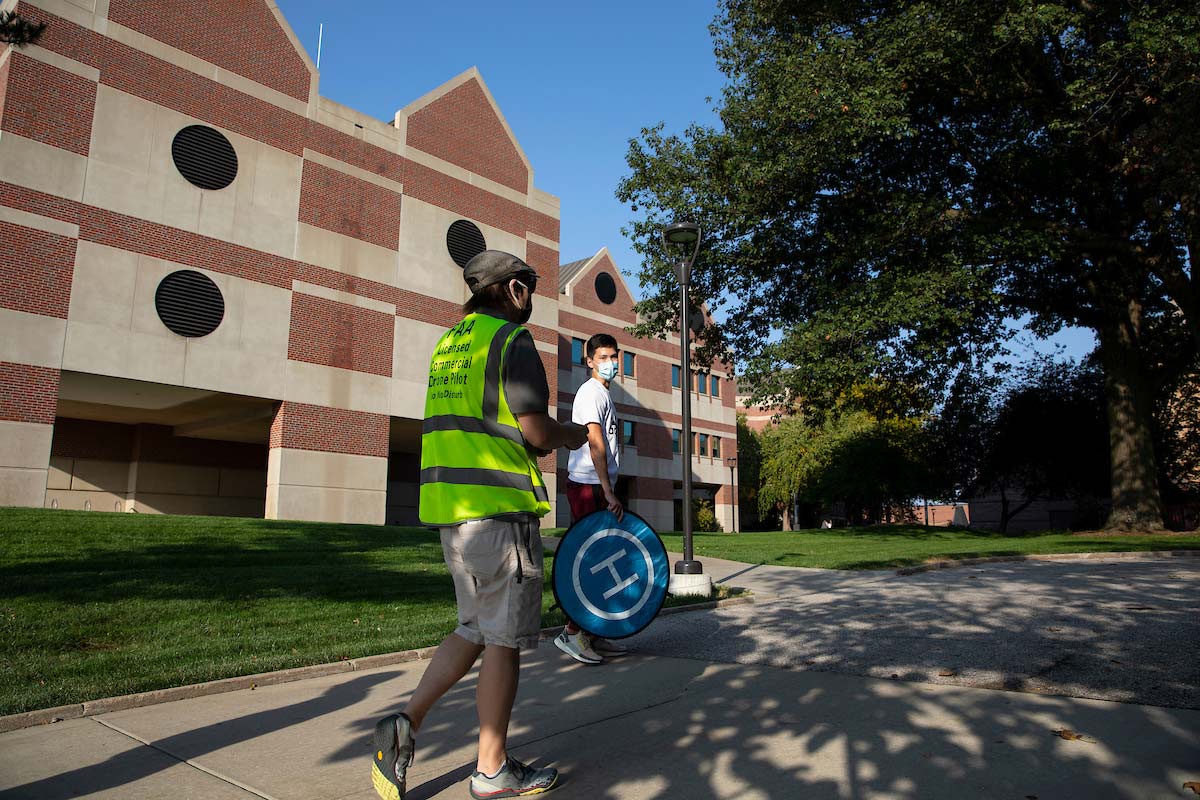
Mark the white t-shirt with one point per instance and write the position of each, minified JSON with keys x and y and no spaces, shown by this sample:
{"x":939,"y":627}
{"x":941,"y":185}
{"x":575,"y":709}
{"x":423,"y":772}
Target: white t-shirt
{"x":593,"y":404}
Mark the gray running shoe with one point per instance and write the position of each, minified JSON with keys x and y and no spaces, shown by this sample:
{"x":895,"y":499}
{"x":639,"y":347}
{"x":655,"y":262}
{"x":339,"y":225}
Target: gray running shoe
{"x":513,"y":780}
{"x":579,"y":647}
{"x":394,"y":748}
{"x":609,"y":649}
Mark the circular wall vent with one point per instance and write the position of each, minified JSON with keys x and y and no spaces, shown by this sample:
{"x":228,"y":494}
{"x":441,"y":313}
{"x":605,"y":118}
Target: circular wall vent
{"x":189,"y":303}
{"x":205,"y":157}
{"x":464,"y":241}
{"x":606,"y":288}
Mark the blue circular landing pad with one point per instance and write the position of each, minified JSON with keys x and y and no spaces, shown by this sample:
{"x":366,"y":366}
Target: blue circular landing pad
{"x":611,"y":577}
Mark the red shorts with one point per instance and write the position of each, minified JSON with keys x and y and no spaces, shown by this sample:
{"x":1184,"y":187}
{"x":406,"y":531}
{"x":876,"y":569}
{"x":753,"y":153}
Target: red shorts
{"x":584,"y":498}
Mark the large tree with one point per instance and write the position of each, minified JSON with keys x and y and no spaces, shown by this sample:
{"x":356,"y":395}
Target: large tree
{"x":891,"y":183}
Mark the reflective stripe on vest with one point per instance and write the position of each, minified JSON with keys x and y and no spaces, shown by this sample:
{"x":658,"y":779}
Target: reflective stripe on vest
{"x":474,"y":461}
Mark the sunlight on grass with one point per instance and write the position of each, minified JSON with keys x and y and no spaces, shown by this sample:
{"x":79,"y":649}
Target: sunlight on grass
{"x":95,"y":605}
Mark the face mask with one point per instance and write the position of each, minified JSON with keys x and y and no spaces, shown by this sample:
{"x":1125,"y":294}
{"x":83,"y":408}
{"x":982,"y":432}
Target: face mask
{"x":526,"y":311}
{"x":607,"y":370}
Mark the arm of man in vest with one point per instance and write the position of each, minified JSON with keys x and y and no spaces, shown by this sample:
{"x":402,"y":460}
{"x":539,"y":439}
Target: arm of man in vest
{"x":598,"y":448}
{"x":528,"y":396}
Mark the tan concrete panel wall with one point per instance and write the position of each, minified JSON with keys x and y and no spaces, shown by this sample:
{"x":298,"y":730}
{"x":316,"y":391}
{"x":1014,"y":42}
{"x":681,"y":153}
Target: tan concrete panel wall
{"x":248,"y":483}
{"x":114,"y":328}
{"x":31,"y":338}
{"x":39,"y":166}
{"x":176,"y":479}
{"x":24,"y":463}
{"x":333,"y":470}
{"x":346,"y":254}
{"x":131,"y":171}
{"x":337,"y":388}
{"x":318,"y":504}
{"x":199,"y":505}
{"x":85,"y":501}
{"x":411,"y":353}
{"x":102,"y":291}
{"x":403,"y":500}
{"x":59,"y":476}
{"x":426,"y":266}
{"x":326,"y":487}
{"x":89,"y":475}
{"x":659,"y":514}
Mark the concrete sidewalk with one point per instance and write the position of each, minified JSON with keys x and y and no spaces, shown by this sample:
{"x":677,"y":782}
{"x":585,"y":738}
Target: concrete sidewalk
{"x":641,"y":727}
{"x":670,"y":721}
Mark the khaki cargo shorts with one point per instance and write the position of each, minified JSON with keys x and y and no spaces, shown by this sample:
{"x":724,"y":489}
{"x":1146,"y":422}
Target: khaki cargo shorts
{"x":497,"y":569}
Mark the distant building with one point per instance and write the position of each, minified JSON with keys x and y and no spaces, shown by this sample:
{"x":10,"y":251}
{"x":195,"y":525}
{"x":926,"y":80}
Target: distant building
{"x":220,"y":290}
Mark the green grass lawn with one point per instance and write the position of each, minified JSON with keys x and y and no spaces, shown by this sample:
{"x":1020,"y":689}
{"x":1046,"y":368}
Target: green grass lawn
{"x":95,"y":605}
{"x":881,"y":547}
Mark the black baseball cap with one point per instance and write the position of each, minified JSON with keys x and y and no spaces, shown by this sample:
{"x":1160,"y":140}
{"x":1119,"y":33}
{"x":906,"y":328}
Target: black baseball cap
{"x":493,"y":266}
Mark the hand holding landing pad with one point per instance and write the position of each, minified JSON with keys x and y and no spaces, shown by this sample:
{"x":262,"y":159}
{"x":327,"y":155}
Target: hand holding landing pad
{"x":611,"y":577}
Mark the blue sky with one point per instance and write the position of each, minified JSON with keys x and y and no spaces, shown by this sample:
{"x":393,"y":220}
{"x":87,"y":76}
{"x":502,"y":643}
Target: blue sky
{"x":575,"y":81}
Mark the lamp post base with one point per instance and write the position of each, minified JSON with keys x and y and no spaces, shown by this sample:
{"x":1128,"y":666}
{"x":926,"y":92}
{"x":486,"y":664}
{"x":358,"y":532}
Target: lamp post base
{"x":690,"y":586}
{"x":692,"y":567}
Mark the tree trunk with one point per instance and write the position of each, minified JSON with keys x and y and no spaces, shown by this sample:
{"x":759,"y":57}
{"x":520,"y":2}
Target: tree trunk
{"x":1136,"y":503}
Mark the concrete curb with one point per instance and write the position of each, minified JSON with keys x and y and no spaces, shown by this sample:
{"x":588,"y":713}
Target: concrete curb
{"x":1125,"y":556}
{"x":46,"y":716}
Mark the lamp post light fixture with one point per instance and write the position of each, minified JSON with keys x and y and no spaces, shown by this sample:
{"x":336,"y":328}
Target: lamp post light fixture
{"x":732,"y":462}
{"x":682,"y":242}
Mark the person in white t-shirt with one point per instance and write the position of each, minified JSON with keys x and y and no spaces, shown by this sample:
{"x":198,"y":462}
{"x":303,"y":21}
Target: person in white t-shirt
{"x":592,"y":474}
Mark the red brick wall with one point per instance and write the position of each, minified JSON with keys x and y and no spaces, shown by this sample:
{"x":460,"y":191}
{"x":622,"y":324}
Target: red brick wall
{"x":172,"y":87}
{"x":545,"y":261}
{"x":339,"y":335}
{"x":653,"y":441}
{"x":48,"y":105}
{"x":344,"y":204}
{"x":36,"y":269}
{"x":583,"y":293}
{"x":300,"y":426}
{"x":258,"y":50}
{"x":652,"y":489}
{"x":157,"y":81}
{"x":653,"y":373}
{"x":28,"y":393}
{"x":82,"y":438}
{"x":461,"y":127}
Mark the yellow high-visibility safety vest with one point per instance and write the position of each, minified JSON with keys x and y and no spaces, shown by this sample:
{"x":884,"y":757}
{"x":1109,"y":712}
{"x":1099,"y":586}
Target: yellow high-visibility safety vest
{"x":474,"y":463}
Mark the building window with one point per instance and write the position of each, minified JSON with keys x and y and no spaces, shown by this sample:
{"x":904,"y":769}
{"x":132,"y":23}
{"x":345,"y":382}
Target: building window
{"x":627,"y":364}
{"x":675,"y":376}
{"x":715,"y":386}
{"x":627,"y":429}
{"x":676,"y":441}
{"x":701,"y":382}
{"x":716,"y":445}
{"x":702,"y":448}
{"x":577,"y":351}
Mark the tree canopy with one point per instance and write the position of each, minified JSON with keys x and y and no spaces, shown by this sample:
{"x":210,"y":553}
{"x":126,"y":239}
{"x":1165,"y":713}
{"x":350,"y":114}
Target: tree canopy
{"x":892,"y":183}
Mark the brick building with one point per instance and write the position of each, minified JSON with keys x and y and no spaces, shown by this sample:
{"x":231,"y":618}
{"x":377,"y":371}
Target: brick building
{"x":219,"y":290}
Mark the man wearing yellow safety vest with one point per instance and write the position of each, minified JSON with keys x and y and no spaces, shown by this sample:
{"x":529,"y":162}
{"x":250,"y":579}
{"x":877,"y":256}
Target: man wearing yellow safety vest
{"x":486,"y":422}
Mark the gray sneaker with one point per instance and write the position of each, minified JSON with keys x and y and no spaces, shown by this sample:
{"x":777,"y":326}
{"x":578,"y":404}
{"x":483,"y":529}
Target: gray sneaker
{"x":513,"y":780}
{"x":394,"y":747}
{"x":606,"y":648}
{"x":579,"y":647}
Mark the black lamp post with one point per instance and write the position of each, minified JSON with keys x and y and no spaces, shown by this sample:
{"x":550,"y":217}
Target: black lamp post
{"x":682,"y":242}
{"x":732,"y":462}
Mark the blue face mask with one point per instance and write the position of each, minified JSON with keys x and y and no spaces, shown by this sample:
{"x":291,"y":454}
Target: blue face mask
{"x":607,"y":370}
